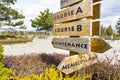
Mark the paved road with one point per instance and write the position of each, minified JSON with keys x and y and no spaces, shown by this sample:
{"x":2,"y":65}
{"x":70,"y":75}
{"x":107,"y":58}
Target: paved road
{"x":45,"y":46}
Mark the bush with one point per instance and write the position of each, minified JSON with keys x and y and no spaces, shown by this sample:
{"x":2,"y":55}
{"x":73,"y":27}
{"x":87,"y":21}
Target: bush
{"x":4,"y":72}
{"x":32,"y":66}
{"x":7,"y":36}
{"x":16,"y":40}
{"x":105,"y":70}
{"x":32,"y":63}
{"x":3,"y":37}
{"x":51,"y":74}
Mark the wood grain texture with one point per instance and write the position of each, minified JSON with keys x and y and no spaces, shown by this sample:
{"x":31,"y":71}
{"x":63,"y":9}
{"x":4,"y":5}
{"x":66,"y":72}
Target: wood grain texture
{"x":76,"y":62}
{"x":80,"y":45}
{"x":76,"y":28}
{"x":81,"y":10}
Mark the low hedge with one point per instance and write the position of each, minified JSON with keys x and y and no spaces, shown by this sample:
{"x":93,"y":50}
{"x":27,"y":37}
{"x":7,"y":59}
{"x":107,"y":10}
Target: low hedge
{"x":109,"y":37}
{"x":15,"y":40}
{"x":3,"y":37}
{"x":7,"y":36}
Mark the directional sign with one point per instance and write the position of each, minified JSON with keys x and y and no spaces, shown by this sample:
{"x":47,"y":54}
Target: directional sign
{"x":72,"y":44}
{"x":81,"y":45}
{"x":85,"y":9}
{"x":98,"y":45}
{"x":76,"y":62}
{"x":77,"y":28}
{"x":81,"y":10}
{"x":65,"y":3}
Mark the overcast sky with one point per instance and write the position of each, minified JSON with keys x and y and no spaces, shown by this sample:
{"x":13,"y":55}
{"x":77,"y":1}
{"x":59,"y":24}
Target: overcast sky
{"x":110,"y":10}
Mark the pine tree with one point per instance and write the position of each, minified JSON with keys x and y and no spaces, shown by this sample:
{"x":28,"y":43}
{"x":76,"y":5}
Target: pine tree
{"x":118,"y":26}
{"x":9,"y":16}
{"x":109,"y":31}
{"x":103,"y":31}
{"x":43,"y":21}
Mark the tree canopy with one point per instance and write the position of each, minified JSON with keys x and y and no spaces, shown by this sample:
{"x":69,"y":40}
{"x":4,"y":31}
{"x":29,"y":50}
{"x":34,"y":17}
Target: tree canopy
{"x":9,"y":16}
{"x":43,"y":21}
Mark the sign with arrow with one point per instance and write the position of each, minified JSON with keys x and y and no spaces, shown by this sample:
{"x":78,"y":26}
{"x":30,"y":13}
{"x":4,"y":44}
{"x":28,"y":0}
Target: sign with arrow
{"x":98,"y":45}
{"x":81,"y":45}
{"x":76,"y":62}
{"x":72,"y":44}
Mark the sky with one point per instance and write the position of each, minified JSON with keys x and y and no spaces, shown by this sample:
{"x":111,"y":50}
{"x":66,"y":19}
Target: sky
{"x":110,"y":10}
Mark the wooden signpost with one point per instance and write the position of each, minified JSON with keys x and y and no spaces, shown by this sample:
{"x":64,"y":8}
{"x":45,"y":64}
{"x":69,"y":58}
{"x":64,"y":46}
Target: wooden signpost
{"x":76,"y":62}
{"x":79,"y":19}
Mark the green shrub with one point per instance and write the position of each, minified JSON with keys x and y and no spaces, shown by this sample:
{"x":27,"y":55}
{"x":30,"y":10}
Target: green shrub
{"x":51,"y":74}
{"x":16,"y":40}
{"x":4,"y":72}
{"x":3,"y":37}
{"x":1,"y":56}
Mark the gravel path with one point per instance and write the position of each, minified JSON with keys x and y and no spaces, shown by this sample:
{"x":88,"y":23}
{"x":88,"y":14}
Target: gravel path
{"x":37,"y":46}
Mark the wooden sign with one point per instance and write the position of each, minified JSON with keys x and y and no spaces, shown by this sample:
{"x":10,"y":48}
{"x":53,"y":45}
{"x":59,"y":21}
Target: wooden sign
{"x":77,"y":28}
{"x":96,"y":1}
{"x":98,"y":45}
{"x":76,"y":62}
{"x":81,"y":10}
{"x":65,"y":3}
{"x":72,"y":44}
{"x":96,"y":11}
{"x":95,"y":28}
{"x":81,"y":45}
